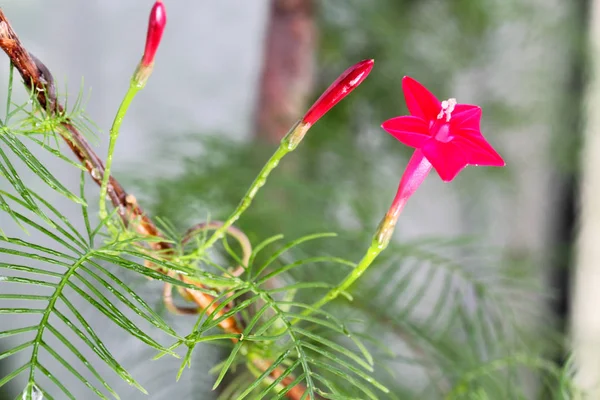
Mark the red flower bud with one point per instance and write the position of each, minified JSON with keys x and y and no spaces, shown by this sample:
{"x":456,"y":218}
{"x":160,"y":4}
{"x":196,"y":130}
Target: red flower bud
{"x":347,"y":82}
{"x":156,"y":26}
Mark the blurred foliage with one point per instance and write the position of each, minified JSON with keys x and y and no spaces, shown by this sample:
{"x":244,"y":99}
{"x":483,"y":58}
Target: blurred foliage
{"x":430,"y":40}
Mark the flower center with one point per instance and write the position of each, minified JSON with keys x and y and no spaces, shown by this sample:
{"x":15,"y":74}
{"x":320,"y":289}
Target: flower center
{"x":447,"y":108}
{"x":440,"y":127}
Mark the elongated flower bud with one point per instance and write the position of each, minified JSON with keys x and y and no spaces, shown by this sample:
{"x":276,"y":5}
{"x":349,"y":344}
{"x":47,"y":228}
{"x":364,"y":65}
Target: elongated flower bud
{"x":340,"y":88}
{"x":343,"y":85}
{"x":156,"y":26}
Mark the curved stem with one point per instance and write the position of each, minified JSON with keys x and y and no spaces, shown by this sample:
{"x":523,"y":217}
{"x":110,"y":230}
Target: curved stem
{"x":170,"y":304}
{"x":234,"y":232}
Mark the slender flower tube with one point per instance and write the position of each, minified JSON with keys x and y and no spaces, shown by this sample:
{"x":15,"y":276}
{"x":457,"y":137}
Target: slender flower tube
{"x":415,"y":173}
{"x":447,"y":136}
{"x":336,"y":92}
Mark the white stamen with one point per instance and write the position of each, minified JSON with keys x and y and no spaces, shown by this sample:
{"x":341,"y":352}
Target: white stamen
{"x":447,"y":108}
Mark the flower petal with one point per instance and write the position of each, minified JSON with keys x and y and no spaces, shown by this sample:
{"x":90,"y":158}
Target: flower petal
{"x":477,"y":150}
{"x":447,"y":159}
{"x":411,"y":131}
{"x":465,"y":116}
{"x":420,"y":101}
{"x":459,"y":108}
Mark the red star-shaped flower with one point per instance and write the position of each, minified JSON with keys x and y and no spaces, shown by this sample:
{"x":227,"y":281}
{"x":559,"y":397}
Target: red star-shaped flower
{"x":446,"y":132}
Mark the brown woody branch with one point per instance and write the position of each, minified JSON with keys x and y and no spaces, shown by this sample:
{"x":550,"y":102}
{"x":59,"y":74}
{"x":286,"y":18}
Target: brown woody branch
{"x":38,"y":79}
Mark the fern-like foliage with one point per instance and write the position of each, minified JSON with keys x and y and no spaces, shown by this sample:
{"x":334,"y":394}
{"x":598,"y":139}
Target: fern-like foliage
{"x":282,"y":346}
{"x":463,"y":324}
{"x":51,"y":267}
{"x":51,"y":264}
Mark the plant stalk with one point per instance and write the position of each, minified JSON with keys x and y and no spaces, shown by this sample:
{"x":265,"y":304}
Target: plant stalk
{"x":134,"y":88}
{"x":374,"y":250}
{"x":287,"y":145}
{"x":415,"y":173}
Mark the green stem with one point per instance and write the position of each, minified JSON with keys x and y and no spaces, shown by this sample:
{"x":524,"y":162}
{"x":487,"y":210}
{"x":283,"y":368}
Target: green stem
{"x":134,"y":87}
{"x":374,"y":250}
{"x":288,"y":144}
{"x":249,"y":196}
{"x":380,"y":241}
{"x":415,"y":173}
